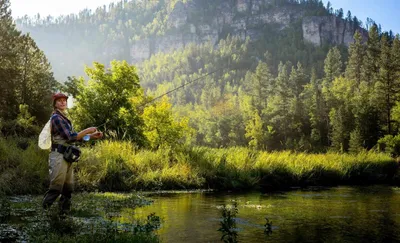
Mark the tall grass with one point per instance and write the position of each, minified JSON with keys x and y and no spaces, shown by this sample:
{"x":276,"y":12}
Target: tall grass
{"x":120,"y":166}
{"x":23,"y":167}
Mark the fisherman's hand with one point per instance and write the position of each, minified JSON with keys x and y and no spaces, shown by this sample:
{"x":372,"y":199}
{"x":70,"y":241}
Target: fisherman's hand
{"x":96,"y":135}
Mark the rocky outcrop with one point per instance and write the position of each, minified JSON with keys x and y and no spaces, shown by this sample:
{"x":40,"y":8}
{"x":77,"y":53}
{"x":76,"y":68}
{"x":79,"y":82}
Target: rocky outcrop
{"x":329,"y":29}
{"x":243,"y":18}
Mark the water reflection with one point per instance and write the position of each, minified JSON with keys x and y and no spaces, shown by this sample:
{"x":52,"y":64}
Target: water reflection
{"x":343,"y":214}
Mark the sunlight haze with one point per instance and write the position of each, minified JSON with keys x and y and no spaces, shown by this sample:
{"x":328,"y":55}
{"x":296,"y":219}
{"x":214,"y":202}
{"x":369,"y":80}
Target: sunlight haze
{"x":383,"y":12}
{"x":53,"y":7}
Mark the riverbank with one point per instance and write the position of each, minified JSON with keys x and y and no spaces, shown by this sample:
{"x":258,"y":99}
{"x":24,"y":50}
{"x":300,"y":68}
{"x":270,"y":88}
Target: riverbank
{"x":95,"y":217}
{"x":120,"y":166}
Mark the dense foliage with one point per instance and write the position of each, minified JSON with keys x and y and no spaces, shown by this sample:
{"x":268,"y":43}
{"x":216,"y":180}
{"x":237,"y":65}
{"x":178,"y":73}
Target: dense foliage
{"x":350,"y":107}
{"x":109,"y":32}
{"x":26,"y":79}
{"x":275,"y":93}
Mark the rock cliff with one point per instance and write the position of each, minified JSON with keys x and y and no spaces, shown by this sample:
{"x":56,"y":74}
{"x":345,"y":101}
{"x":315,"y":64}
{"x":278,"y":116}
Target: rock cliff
{"x":187,"y":23}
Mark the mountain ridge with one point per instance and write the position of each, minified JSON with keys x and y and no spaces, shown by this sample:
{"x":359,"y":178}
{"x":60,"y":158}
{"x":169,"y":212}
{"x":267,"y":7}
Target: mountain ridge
{"x":136,"y":30}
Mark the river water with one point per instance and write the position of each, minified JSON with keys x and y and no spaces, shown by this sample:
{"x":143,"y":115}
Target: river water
{"x":340,"y":214}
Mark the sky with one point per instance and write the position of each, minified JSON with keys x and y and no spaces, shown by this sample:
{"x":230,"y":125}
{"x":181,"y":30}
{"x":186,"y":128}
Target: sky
{"x":53,"y":7}
{"x":384,"y":12}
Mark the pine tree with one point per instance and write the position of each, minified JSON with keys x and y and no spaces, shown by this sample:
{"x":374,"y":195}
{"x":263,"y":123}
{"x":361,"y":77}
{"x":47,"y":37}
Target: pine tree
{"x":333,"y":65}
{"x":338,"y":132}
{"x":300,"y":123}
{"x":356,"y":56}
{"x":387,"y":87}
{"x":36,"y":81}
{"x":317,"y":112}
{"x":366,"y":116}
{"x":259,"y":86}
{"x":26,"y":79}
{"x":371,"y":60}
{"x":279,"y":108}
{"x":339,"y":13}
{"x":349,"y":18}
{"x":333,"y":70}
{"x":356,"y":141}
{"x":396,"y":57}
{"x":9,"y":39}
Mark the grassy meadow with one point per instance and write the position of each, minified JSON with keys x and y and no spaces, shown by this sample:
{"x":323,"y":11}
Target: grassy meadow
{"x":120,"y":166}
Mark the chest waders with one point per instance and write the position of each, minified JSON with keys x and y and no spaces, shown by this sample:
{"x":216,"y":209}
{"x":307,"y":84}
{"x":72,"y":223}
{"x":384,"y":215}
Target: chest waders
{"x":61,"y":178}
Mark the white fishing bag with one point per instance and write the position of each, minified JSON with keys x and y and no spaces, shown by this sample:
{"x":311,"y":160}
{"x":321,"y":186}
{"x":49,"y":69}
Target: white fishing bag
{"x":45,"y":136}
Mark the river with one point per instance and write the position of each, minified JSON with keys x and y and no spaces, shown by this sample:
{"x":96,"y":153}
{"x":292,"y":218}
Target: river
{"x":337,"y":214}
{"x":340,"y":214}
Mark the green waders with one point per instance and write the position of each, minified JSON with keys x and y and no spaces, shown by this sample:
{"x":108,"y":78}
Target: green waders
{"x":61,"y":182}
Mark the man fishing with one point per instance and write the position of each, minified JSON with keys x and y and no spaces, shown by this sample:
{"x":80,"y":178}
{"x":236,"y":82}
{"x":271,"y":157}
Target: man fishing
{"x":63,"y":154}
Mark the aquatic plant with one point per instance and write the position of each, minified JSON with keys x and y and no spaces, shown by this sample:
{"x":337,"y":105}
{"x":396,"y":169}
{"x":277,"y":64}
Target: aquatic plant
{"x":4,"y":209}
{"x":228,"y":223}
{"x":267,"y":227}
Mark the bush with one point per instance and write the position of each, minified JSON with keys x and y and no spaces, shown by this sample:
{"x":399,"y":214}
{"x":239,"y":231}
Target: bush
{"x":390,"y":144}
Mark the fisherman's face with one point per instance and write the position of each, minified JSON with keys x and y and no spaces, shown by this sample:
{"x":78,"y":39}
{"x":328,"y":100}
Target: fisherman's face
{"x":61,"y":104}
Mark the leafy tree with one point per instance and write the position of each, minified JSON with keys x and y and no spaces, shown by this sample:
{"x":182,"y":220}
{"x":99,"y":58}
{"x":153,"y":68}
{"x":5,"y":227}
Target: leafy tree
{"x":255,"y":132}
{"x":250,"y":97}
{"x":110,"y":99}
{"x":341,"y":116}
{"x":161,"y":129}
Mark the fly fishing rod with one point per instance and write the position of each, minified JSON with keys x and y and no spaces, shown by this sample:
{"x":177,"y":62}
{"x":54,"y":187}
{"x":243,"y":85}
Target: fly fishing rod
{"x":87,"y":137}
{"x":181,"y":86}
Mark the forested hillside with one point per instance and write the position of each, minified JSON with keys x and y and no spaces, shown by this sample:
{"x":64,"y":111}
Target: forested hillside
{"x":274,"y":87}
{"x":350,"y":106}
{"x":135,"y":30}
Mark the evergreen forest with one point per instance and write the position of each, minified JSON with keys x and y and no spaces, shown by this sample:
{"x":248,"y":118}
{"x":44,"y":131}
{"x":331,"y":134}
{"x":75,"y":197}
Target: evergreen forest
{"x":276,"y":92}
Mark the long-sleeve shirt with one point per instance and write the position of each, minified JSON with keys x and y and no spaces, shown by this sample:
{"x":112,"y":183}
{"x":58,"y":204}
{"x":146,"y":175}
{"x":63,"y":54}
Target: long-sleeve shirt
{"x":60,"y":125}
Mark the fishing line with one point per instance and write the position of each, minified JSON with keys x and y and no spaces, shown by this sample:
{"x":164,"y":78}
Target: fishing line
{"x":173,"y":90}
{"x":251,"y":45}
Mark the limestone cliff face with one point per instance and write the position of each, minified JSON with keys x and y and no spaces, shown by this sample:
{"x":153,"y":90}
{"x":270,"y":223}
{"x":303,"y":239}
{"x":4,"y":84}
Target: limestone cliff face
{"x":329,"y":29}
{"x":188,"y":23}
